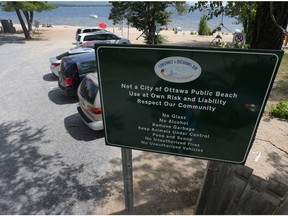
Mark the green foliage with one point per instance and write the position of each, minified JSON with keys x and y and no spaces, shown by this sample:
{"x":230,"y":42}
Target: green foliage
{"x":244,"y":12}
{"x":144,"y":15}
{"x":193,"y":33}
{"x":213,"y":8}
{"x":241,"y":46}
{"x":203,"y":28}
{"x":280,"y":110}
{"x":27,"y":6}
{"x":218,"y":42}
{"x":158,"y":39}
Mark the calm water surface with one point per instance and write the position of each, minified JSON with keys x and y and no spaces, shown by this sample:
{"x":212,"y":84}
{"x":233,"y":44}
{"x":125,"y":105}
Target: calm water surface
{"x":79,"y":16}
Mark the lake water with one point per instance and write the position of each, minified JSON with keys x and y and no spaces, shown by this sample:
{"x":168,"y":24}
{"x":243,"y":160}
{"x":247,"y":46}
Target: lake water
{"x":79,"y":16}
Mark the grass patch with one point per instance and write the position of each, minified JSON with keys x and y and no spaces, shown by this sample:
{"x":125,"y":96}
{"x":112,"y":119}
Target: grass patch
{"x":280,"y":110}
{"x":278,"y":99}
{"x":282,"y":77}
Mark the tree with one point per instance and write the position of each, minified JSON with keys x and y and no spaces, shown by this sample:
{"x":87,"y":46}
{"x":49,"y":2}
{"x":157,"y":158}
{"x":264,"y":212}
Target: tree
{"x":268,"y":34}
{"x":28,"y":9}
{"x":244,"y":12}
{"x":144,"y":15}
{"x":203,"y":26}
{"x":16,"y":7}
{"x":256,"y":19}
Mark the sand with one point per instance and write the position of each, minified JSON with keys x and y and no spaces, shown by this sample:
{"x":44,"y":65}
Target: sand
{"x":181,"y":38}
{"x":268,"y":156}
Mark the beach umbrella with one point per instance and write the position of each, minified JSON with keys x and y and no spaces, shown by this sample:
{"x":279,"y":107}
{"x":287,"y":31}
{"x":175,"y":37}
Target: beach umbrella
{"x":102,"y":25}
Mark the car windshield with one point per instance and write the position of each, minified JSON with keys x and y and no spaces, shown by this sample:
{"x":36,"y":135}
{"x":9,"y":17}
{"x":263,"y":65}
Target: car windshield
{"x":88,"y":90}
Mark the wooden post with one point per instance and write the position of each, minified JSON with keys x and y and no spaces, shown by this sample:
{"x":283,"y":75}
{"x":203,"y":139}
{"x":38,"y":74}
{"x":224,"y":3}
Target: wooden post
{"x":209,"y":178}
{"x":127,"y":179}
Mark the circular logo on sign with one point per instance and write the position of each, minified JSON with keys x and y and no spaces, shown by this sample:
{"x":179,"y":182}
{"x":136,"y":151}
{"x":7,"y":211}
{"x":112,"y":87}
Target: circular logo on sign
{"x":177,"y":69}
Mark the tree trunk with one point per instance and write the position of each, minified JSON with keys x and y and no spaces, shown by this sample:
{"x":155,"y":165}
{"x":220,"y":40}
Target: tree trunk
{"x":25,"y":31}
{"x":266,"y":34}
{"x":151,"y":23}
{"x":31,"y":18}
{"x":249,"y":34}
{"x":26,"y":14}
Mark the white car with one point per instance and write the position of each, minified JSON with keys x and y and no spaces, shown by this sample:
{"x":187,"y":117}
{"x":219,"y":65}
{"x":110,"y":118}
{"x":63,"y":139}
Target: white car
{"x":55,"y":62}
{"x":102,"y":37}
{"x":89,"y":106}
{"x":87,"y":30}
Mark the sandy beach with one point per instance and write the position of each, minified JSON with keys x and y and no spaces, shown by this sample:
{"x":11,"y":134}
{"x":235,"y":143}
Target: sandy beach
{"x":268,"y":156}
{"x":182,"y":38}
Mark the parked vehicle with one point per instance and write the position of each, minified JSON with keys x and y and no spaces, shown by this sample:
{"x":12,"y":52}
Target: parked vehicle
{"x":87,"y":30}
{"x":88,"y":44}
{"x":89,"y":106}
{"x":73,"y":70}
{"x":106,"y":37}
{"x":56,"y":61}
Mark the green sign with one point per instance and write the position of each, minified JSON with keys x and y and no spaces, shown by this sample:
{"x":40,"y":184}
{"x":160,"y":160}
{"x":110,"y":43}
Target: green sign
{"x":202,"y":103}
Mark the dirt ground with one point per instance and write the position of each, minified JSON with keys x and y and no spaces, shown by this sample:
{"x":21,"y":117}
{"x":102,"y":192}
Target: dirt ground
{"x":165,"y":184}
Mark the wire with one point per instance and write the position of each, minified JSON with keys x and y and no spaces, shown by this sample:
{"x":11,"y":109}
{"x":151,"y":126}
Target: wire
{"x":221,"y":25}
{"x":275,"y":21}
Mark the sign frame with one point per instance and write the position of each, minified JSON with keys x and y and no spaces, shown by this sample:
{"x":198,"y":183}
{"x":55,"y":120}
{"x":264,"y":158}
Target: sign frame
{"x":275,"y":53}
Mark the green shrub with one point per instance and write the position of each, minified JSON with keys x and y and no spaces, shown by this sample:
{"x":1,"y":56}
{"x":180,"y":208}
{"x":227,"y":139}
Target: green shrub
{"x":280,"y":110}
{"x":158,"y":39}
{"x":203,"y":28}
{"x":193,"y":33}
{"x":162,"y":39}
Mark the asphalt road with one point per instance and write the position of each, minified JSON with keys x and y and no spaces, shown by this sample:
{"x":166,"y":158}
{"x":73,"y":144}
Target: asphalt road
{"x":50,"y":161}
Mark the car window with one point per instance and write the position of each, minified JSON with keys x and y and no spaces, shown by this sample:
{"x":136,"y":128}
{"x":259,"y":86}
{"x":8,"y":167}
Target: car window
{"x":63,"y":69}
{"x":78,"y":31}
{"x":88,"y":67}
{"x":100,"y":37}
{"x":59,"y":57}
{"x":112,"y":37}
{"x":86,"y":30}
{"x":89,"y":38}
{"x":88,"y":90}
